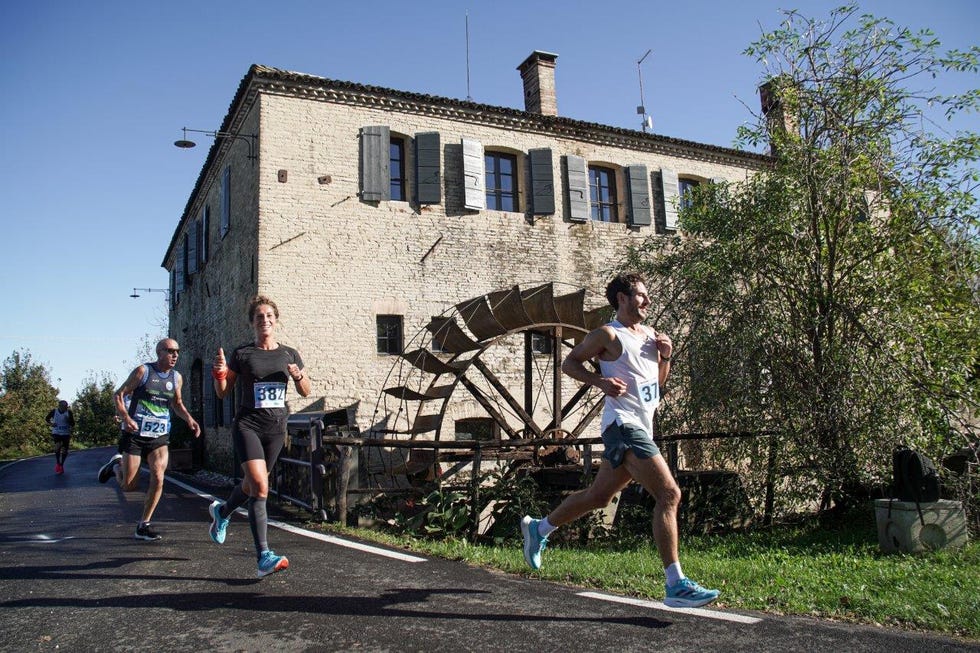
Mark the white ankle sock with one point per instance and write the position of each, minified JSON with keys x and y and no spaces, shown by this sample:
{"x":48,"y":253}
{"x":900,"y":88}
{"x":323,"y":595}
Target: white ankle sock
{"x":545,"y":528}
{"x":674,"y":573}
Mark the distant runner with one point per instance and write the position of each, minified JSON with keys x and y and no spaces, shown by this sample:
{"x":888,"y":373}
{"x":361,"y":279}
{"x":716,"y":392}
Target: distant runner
{"x":62,"y":423}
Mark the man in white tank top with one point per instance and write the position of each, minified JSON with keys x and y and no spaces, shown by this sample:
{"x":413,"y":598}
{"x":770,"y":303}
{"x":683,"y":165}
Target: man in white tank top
{"x":634,"y":362}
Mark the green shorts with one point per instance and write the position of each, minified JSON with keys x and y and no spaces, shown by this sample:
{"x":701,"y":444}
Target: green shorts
{"x":618,"y":438}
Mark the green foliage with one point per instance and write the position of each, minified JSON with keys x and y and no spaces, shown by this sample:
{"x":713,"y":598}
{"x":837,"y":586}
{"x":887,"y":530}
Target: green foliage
{"x":95,"y":410}
{"x":831,"y":297}
{"x":443,"y":513}
{"x":26,"y":397}
{"x":511,"y":496}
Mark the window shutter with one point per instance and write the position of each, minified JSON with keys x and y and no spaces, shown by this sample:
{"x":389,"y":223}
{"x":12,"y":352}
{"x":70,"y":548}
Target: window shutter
{"x":428,"y":173}
{"x":192,"y":241}
{"x":542,"y":182}
{"x":474,"y":175}
{"x":205,"y":223}
{"x":375,"y":172}
{"x":225,"y":201}
{"x":639,"y":194}
{"x":179,"y":269}
{"x":578,"y":188}
{"x":671,"y":196}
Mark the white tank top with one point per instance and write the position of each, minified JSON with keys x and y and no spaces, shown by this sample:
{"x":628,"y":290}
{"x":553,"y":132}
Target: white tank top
{"x":639,"y":367}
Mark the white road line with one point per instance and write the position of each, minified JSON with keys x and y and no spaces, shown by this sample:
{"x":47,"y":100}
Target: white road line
{"x":330,"y":539}
{"x":657,"y":605}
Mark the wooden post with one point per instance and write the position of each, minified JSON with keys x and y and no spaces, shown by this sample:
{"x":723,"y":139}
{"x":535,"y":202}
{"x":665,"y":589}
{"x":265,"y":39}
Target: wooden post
{"x":475,"y":494}
{"x":343,"y":479}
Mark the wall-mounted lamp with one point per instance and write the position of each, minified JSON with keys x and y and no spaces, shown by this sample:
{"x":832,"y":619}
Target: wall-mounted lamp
{"x":165,"y":291}
{"x":248,"y":138}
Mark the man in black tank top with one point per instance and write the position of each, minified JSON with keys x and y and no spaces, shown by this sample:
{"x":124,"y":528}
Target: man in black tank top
{"x":153,"y":391}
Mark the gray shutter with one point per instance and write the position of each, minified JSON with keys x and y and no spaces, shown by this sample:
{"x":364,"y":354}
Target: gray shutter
{"x":192,"y":241}
{"x":474,"y":175}
{"x":225,"y":201}
{"x":542,"y":182}
{"x":671,"y":197}
{"x":639,"y":195}
{"x":375,"y":164}
{"x":428,"y":172}
{"x":578,"y":188}
{"x":203,"y":233}
{"x":179,"y":268}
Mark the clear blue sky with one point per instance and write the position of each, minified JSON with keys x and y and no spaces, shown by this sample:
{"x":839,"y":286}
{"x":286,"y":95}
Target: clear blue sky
{"x":95,"y":93}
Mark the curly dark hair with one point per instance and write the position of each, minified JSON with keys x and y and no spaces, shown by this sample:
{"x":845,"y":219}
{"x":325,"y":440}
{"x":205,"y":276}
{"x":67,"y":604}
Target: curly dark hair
{"x":622,"y":283}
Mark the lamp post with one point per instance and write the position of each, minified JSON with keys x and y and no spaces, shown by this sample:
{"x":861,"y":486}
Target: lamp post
{"x":165,"y":291}
{"x":184,"y":143}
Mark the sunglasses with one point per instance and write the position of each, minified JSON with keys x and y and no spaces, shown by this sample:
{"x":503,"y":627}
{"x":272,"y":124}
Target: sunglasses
{"x":172,"y":351}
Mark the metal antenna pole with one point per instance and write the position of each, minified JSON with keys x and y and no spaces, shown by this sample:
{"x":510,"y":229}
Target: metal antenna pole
{"x":468,"y":96}
{"x":642,"y":110}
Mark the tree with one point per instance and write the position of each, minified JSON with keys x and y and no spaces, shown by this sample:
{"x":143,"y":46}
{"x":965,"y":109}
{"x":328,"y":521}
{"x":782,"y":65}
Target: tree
{"x":833,"y":296}
{"x":95,"y":408}
{"x":26,"y":397}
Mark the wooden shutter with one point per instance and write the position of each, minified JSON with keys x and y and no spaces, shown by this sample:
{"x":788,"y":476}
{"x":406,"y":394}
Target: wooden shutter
{"x":638,"y":190}
{"x":474,"y":175}
{"x":225,"y":201}
{"x":205,"y":224}
{"x":577,"y":183}
{"x":375,"y":169}
{"x":671,"y":197}
{"x":179,"y":269}
{"x":428,"y":171}
{"x":192,"y":241}
{"x":542,"y":182}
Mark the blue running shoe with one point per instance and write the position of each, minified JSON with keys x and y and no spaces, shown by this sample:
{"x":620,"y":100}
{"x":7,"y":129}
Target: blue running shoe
{"x":219,"y":526}
{"x":533,"y":542}
{"x":688,"y":594}
{"x":270,"y":563}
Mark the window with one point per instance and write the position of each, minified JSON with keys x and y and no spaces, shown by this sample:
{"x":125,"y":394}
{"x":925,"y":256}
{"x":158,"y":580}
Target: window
{"x":683,"y":188}
{"x":225,"y":201}
{"x":602,"y":192}
{"x":540,"y":342}
{"x":389,"y":334}
{"x":500,"y":172}
{"x":396,"y":165}
{"x":477,"y":428}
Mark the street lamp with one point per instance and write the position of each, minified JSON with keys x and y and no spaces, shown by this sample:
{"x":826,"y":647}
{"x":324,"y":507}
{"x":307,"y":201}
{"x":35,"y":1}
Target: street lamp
{"x":165,"y":291}
{"x":184,"y":143}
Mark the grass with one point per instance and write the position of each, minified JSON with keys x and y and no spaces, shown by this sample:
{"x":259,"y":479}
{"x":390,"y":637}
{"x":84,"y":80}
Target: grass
{"x":829,"y":571}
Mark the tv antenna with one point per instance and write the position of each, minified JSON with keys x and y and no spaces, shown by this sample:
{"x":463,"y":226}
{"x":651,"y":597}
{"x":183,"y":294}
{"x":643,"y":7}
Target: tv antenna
{"x":469,"y":98}
{"x":642,"y":110}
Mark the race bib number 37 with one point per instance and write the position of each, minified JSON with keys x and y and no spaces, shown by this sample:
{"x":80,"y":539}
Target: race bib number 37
{"x":649,"y":392}
{"x":270,"y":394}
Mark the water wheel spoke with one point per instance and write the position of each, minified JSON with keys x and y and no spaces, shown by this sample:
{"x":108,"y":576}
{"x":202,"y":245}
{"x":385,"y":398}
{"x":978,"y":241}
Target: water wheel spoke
{"x":488,"y":406}
{"x":506,"y":395}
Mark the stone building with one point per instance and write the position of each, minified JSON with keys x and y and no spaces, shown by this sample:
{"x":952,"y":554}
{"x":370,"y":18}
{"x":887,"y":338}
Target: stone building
{"x":365,"y":211}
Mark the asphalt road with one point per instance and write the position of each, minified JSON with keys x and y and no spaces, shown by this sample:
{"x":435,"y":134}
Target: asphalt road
{"x":73,"y":578}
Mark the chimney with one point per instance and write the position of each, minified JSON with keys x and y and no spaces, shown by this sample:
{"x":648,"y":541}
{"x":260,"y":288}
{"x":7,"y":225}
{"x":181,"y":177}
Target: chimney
{"x":538,"y":75}
{"x":779,"y":117}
